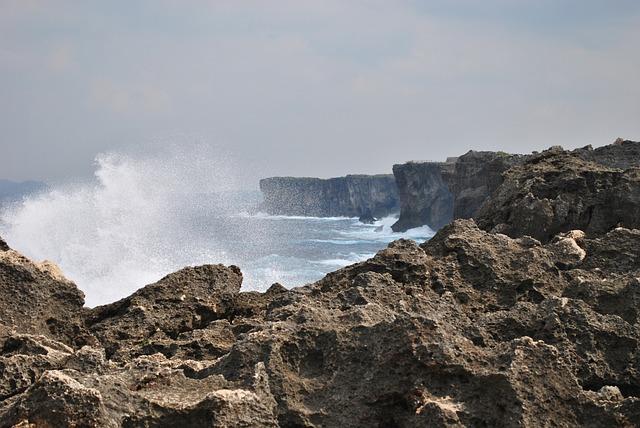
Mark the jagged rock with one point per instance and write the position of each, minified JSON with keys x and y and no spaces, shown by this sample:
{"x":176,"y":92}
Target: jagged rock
{"x":82,"y":389}
{"x":349,"y":196}
{"x":3,"y":245}
{"x":35,"y":298}
{"x":433,"y":193}
{"x":179,"y":303}
{"x":622,"y":154}
{"x":367,"y":218}
{"x":557,"y":191}
{"x":24,"y":358}
{"x":472,"y":328}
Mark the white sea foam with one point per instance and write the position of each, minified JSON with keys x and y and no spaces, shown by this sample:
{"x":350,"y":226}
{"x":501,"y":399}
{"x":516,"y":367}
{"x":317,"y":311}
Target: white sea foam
{"x":265,"y":216}
{"x":340,"y":241}
{"x":123,"y":229}
{"x":346,"y":260}
{"x":381,"y":231}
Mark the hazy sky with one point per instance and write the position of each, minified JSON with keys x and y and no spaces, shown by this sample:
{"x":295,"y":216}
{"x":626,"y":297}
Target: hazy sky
{"x":315,"y":88}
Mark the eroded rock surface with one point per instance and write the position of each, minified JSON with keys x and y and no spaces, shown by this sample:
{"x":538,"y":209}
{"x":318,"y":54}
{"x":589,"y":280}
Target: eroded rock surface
{"x":557,"y":191}
{"x":470,"y":329}
{"x":473,"y":328}
{"x":36,"y":298}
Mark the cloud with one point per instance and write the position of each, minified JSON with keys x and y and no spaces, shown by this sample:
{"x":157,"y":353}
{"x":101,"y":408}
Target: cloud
{"x":315,"y":88}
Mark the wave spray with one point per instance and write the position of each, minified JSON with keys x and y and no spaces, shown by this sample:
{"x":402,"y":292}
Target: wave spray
{"x":128,"y":226}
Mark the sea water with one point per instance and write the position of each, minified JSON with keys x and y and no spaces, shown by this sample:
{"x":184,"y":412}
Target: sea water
{"x":141,"y":218}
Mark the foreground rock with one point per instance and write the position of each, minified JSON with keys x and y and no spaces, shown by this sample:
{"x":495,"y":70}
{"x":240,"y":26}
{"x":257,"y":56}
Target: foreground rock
{"x":469,"y":329}
{"x":36,"y":298}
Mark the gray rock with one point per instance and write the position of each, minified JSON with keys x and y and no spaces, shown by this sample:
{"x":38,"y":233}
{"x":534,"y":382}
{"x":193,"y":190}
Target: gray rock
{"x":350,"y":196}
{"x":425,"y":198}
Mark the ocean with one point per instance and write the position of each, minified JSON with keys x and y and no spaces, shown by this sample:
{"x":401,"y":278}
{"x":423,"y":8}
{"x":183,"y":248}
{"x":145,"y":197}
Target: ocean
{"x":142,"y":218}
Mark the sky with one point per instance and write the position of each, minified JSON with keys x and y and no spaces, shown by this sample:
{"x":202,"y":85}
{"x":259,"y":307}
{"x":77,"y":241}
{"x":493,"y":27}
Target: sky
{"x":311,"y":88}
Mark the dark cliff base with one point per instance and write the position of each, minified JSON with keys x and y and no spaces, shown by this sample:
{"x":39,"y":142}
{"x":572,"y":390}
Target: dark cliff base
{"x":473,"y":328}
{"x":433,"y":193}
{"x":350,"y":196}
{"x":424,"y":195}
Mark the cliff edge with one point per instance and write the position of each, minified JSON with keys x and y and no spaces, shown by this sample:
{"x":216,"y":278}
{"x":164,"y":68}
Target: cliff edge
{"x":350,"y":196}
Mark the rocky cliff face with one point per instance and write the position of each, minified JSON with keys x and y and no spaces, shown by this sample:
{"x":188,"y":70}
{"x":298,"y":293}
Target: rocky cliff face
{"x":424,"y":196}
{"x":558,"y":190}
{"x":474,"y":177}
{"x":467,"y":182}
{"x":622,"y":154}
{"x":473,"y":328}
{"x":351,"y":196}
{"x":434,"y":193}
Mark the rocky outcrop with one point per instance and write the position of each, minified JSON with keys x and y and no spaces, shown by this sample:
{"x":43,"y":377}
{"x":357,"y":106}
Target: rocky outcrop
{"x":350,"y":196}
{"x":434,"y":193}
{"x":469,"y":329}
{"x":472,"y":328}
{"x":36,"y":298}
{"x":425,"y":198}
{"x":622,"y":154}
{"x":474,"y":178}
{"x":557,"y":190}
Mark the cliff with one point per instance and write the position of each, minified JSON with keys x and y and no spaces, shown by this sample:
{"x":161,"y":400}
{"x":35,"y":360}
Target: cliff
{"x":350,"y":196}
{"x":558,"y":190}
{"x":434,"y":193}
{"x":475,"y":176}
{"x":424,"y":196}
{"x":466,"y":183}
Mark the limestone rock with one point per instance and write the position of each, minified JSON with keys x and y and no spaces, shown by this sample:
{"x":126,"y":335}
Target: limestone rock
{"x":35,"y":298}
{"x":350,"y":196}
{"x":557,"y":191}
{"x":425,"y":198}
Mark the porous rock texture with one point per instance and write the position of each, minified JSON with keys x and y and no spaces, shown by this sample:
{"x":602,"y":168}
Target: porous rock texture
{"x":557,"y":190}
{"x":470,"y":329}
{"x":473,"y":328}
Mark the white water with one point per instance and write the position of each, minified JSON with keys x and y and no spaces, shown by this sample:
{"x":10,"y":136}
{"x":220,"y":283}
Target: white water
{"x":142,"y":217}
{"x":122,"y":229}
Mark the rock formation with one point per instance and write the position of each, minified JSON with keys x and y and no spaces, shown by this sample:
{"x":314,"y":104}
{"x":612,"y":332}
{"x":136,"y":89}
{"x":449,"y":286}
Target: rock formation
{"x":473,"y":328}
{"x":434,"y":193}
{"x":557,"y":190}
{"x":474,"y":177}
{"x":469,"y":329}
{"x":350,"y":196}
{"x":425,"y":198}
{"x":466,"y":183}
